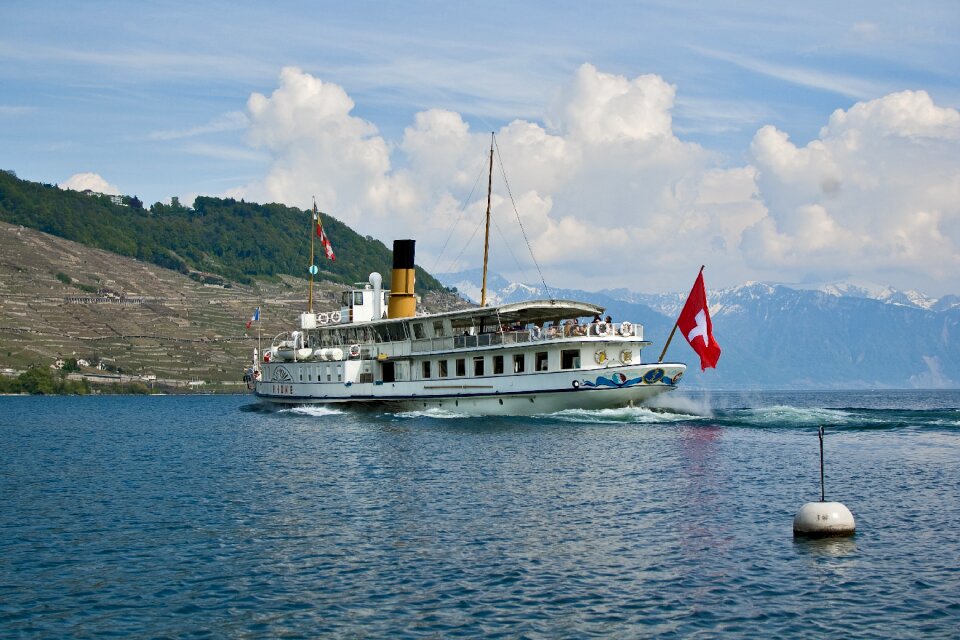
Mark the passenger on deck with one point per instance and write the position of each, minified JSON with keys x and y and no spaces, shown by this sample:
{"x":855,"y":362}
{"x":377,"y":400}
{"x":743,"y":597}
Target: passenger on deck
{"x":577,"y":329}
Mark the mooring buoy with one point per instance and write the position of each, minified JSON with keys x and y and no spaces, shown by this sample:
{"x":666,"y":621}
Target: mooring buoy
{"x":823,"y":519}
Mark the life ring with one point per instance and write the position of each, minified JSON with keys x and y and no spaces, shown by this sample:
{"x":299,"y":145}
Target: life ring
{"x":266,"y":357}
{"x":601,"y":328}
{"x":323,"y":318}
{"x":626,"y":329}
{"x":354,"y":351}
{"x":626,"y":356}
{"x":335,"y":317}
{"x":536,"y":332}
{"x":600,"y":356}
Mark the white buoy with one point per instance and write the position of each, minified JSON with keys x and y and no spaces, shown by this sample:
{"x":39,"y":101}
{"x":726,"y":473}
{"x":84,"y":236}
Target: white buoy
{"x":823,"y":519}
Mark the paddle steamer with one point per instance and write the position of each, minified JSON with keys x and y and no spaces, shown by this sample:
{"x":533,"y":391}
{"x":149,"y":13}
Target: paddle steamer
{"x":532,"y":357}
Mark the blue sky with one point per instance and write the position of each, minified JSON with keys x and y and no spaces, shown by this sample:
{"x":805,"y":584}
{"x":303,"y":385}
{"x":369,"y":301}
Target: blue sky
{"x":152,"y":98}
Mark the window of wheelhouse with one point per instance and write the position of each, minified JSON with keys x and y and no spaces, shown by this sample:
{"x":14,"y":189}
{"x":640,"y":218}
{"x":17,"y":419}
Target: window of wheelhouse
{"x":442,"y":365}
{"x":518,"y":360}
{"x":426,"y":368}
{"x":438,"y":328}
{"x":497,"y":365}
{"x":570,"y":359}
{"x":478,"y":366}
{"x":461,"y":367}
{"x":540,"y":359}
{"x":418,"y":332}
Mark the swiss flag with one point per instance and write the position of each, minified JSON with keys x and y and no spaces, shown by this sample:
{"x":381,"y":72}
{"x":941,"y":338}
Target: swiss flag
{"x":324,"y":241}
{"x":695,"y":324}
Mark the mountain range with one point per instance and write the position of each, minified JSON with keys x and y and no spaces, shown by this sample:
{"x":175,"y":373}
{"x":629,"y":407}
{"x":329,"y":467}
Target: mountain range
{"x":775,"y":336}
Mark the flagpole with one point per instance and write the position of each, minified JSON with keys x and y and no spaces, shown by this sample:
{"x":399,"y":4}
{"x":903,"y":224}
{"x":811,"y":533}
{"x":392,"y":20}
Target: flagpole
{"x":674,"y":330}
{"x":312,"y":232}
{"x":259,"y":347}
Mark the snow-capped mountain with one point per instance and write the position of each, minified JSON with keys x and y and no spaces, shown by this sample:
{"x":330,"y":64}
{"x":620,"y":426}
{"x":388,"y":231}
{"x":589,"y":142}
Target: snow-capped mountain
{"x":838,"y":335}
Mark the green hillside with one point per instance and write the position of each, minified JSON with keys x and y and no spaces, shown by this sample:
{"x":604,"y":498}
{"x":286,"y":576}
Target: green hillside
{"x":232,"y":239}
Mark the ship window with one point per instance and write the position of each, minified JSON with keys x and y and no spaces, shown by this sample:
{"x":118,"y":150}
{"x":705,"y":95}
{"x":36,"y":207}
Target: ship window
{"x":478,"y":366}
{"x":541,"y":358}
{"x":426,"y":368}
{"x":396,"y":331}
{"x":518,"y":363}
{"x":437,"y":328}
{"x":570,"y":359}
{"x":345,"y":299}
{"x":418,"y":331}
{"x":497,"y":364}
{"x":358,"y":298}
{"x":443,"y":368}
{"x":461,"y":367}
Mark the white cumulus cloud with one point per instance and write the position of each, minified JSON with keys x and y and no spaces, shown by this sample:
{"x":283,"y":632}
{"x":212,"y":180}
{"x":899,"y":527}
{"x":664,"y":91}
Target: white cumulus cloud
{"x":92,"y":181}
{"x":877,"y":193}
{"x":609,"y":195}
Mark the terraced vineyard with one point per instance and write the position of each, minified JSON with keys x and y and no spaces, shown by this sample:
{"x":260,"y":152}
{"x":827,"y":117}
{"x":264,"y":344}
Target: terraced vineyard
{"x":62,"y":299}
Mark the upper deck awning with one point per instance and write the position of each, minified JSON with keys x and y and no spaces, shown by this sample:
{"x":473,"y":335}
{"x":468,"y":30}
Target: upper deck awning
{"x":531,"y":311}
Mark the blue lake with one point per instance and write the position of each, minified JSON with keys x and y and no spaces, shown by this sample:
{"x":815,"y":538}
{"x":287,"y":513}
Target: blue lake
{"x":208,"y":516}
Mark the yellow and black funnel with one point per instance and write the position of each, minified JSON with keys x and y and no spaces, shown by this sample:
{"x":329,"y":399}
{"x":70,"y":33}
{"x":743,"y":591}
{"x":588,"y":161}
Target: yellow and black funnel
{"x":403,"y":302}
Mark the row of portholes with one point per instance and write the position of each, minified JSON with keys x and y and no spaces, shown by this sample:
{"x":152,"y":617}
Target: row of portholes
{"x":456,"y":403}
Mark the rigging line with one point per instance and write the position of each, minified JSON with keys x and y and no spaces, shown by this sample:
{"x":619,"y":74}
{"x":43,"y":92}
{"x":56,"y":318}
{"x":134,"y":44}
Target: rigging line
{"x":523,"y":271}
{"x":467,"y":244}
{"x":524,"y":231}
{"x":453,"y":227}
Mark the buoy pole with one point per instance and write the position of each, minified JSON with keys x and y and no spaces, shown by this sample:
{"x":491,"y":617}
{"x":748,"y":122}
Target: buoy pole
{"x":823,"y":519}
{"x":822,"y":494}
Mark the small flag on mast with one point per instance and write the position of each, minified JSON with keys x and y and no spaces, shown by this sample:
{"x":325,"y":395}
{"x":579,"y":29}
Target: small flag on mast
{"x":254,"y":318}
{"x":327,"y":247}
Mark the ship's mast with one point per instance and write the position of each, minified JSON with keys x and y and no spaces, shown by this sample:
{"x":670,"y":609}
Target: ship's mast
{"x":486,"y":238}
{"x":312,"y":268}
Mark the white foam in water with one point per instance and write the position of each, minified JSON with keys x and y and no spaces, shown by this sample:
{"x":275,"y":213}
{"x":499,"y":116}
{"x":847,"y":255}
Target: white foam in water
{"x":785,"y":415}
{"x":440,"y":414}
{"x":313,"y":410}
{"x":629,"y":415}
{"x":699,"y":407}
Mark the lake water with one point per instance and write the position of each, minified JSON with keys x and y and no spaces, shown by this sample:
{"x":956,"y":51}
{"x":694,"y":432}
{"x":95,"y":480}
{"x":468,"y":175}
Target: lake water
{"x":207,"y":516}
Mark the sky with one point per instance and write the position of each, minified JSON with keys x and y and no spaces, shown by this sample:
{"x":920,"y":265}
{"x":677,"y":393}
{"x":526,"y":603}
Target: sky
{"x":798,"y":143}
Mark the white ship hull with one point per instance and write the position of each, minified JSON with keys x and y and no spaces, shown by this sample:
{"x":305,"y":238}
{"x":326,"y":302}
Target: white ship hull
{"x":548,"y":393}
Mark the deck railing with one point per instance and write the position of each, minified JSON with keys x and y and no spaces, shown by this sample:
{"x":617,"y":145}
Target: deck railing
{"x":467,"y":341}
